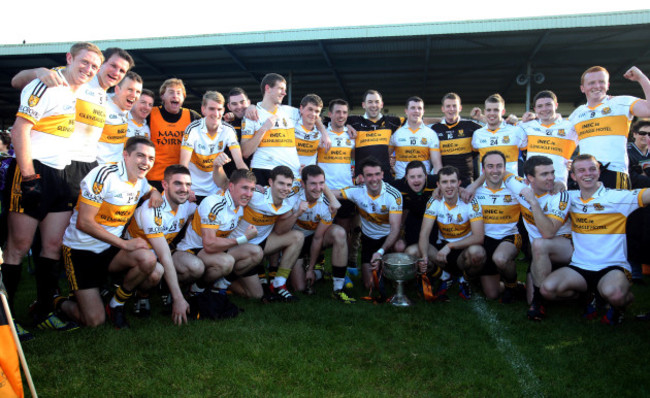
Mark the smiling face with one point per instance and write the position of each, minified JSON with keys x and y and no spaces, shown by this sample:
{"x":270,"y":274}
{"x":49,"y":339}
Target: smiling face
{"x":543,"y":180}
{"x":416,"y":179}
{"x":493,"y":168}
{"x":82,"y":67}
{"x":448,"y":184}
{"x":237,"y":104}
{"x":139,"y":161}
{"x":113,"y":71}
{"x":494,"y":112}
{"x":338,"y":116}
{"x":373,"y":105}
{"x":414,"y":112}
{"x":545,"y":108}
{"x":451,"y":109}
{"x":276,"y":93}
{"x":310,"y":113}
{"x":594,"y":86}
{"x":242,"y":191}
{"x":314,"y":187}
{"x":173,"y":98}
{"x":127,"y":93}
{"x":372,"y":177}
{"x":586,"y":173}
{"x":280,"y":188}
{"x":213,"y":112}
{"x":177,"y":189}
{"x":142,"y":107}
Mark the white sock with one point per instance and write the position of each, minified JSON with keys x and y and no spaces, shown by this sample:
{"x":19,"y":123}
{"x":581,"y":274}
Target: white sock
{"x":114,"y":303}
{"x":462,"y":280}
{"x":319,"y":274}
{"x":279,"y":281}
{"x":196,"y":289}
{"x":338,"y":283}
{"x":445,"y":276}
{"x":221,"y":283}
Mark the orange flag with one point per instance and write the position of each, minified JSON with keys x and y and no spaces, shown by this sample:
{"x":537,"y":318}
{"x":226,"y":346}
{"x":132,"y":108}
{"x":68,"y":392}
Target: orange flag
{"x":11,"y":384}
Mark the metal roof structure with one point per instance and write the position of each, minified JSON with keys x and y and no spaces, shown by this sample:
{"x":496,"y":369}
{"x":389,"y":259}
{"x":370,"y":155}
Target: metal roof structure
{"x":472,"y":58}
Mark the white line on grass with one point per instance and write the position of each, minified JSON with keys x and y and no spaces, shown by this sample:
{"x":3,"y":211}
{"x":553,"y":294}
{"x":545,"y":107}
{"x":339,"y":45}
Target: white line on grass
{"x":526,"y":377}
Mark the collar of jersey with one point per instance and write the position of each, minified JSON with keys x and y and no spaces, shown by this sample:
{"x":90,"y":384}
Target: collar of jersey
{"x":381,"y":192}
{"x":596,"y":194}
{"x":450,"y":207}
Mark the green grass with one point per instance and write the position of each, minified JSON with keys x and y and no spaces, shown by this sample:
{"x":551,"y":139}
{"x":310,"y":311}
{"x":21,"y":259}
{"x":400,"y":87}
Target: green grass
{"x":318,"y":347}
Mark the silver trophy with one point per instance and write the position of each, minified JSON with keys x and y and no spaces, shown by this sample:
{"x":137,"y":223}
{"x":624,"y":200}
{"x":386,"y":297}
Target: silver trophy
{"x":399,"y":267}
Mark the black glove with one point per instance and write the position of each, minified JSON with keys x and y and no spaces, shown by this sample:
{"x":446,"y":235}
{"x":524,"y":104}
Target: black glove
{"x":31,"y":191}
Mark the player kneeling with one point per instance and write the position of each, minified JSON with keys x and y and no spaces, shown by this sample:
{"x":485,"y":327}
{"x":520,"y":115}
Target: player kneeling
{"x":461,"y":235}
{"x":314,"y":220}
{"x":92,"y":246}
{"x":207,"y":254}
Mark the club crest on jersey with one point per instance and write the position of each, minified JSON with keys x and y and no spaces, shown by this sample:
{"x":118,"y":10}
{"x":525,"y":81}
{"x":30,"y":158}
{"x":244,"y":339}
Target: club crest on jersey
{"x":348,"y":142}
{"x":562,"y":206}
{"x":507,"y":198}
{"x":398,"y":201}
{"x":599,"y":207}
{"x":295,"y":189}
{"x":384,"y":209}
{"x":423,"y":141}
{"x":33,"y":100}
{"x":506,"y":140}
{"x":607,"y":111}
{"x":220,"y":145}
{"x":461,"y":133}
{"x":475,"y":206}
{"x":284,"y":122}
{"x":181,"y":222}
{"x":212,"y":217}
{"x":97,"y":187}
{"x":561,"y":133}
{"x":157,"y":220}
{"x":459,"y":218}
{"x":186,"y":136}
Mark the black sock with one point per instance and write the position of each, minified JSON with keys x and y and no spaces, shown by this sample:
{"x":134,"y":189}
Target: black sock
{"x":11,"y":277}
{"x":339,"y":272}
{"x":47,"y":283}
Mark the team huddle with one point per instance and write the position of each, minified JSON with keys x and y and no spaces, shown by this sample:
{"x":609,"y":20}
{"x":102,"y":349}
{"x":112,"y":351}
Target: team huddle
{"x":243,"y":199}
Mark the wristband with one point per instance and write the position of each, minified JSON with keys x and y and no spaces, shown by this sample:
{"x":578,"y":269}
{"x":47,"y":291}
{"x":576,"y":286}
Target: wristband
{"x":241,"y":240}
{"x":32,"y":177}
{"x":381,"y":251}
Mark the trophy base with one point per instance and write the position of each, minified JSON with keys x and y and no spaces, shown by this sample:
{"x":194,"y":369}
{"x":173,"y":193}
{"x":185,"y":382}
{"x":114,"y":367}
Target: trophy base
{"x":400,"y":300}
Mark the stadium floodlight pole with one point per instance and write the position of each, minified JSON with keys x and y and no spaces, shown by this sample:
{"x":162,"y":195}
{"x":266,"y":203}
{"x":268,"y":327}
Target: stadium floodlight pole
{"x":21,"y":354}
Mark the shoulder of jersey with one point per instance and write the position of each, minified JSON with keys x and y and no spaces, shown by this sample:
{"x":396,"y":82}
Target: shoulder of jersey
{"x":193,"y":124}
{"x":393,"y":191}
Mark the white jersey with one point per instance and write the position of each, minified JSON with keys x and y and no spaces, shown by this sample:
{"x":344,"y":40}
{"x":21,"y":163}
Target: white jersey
{"x":501,"y":211}
{"x":108,"y":189}
{"x":278,"y":145}
{"x":262,"y":213}
{"x":375,"y":210}
{"x":554,"y":206}
{"x":598,"y":227}
{"x":337,"y":162}
{"x":307,"y":144}
{"x":156,"y":222}
{"x":134,"y":129}
{"x":556,"y":141}
{"x":454,"y":222}
{"x":89,"y":121}
{"x":111,"y":143}
{"x":603,"y":130}
{"x":316,"y":213}
{"x":205,"y":149}
{"x":413,"y":144}
{"x":216,"y":212}
{"x":52,"y":111}
{"x":507,"y":139}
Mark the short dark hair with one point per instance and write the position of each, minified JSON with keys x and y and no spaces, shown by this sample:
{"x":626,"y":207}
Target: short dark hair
{"x":109,"y":52}
{"x":337,"y":101}
{"x":242,"y":174}
{"x":311,"y":99}
{"x":174,"y":169}
{"x":413,"y":99}
{"x":448,"y":170}
{"x":130,"y":75}
{"x":534,"y":161}
{"x":638,"y":125}
{"x":496,"y":99}
{"x":369,"y":162}
{"x":132,"y":142}
{"x":235,"y":91}
{"x":544,"y":94}
{"x":493,"y":153}
{"x":414,"y":164}
{"x":281,"y":171}
{"x":450,"y":96}
{"x":311,"y":170}
{"x":271,"y":79}
{"x":371,"y":92}
{"x":150,"y":93}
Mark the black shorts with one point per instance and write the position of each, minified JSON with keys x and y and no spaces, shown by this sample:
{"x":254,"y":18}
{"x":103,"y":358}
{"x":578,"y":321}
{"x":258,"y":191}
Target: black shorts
{"x":263,"y":175}
{"x":306,"y":246}
{"x":452,"y":258}
{"x":74,"y":173}
{"x":412,"y":229}
{"x":614,"y":179}
{"x":348,"y":210}
{"x":86,"y":269}
{"x":593,"y":277}
{"x":369,"y":246}
{"x":490,"y":245}
{"x":54,"y":191}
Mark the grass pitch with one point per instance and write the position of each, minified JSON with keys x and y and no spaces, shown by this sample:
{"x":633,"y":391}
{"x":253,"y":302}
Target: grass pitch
{"x":319,"y":347}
